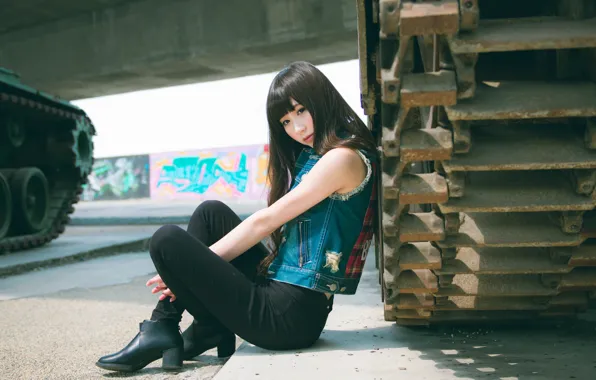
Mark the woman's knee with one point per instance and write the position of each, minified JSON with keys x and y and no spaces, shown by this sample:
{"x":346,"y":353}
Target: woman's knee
{"x":209,"y":206}
{"x":161,"y":237}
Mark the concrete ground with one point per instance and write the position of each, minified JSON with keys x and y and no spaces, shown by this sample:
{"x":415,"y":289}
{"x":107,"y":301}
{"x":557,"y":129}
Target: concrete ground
{"x":57,"y":321}
{"x":76,"y":244}
{"x":358,"y":344}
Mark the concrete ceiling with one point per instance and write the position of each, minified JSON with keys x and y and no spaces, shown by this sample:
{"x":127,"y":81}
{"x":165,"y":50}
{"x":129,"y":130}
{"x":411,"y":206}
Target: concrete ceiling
{"x":22,"y":14}
{"x":86,"y":48}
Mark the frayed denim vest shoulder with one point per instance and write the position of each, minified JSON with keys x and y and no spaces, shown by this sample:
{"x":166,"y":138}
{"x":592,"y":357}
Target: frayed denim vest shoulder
{"x":325,"y":247}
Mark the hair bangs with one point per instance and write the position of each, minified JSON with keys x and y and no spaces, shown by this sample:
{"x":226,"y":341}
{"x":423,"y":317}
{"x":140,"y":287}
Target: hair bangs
{"x":289,"y":84}
{"x":278,"y":103}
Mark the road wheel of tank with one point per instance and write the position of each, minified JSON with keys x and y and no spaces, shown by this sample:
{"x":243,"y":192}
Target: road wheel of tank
{"x":31,"y":201}
{"x":16,"y":134}
{"x":5,"y":206}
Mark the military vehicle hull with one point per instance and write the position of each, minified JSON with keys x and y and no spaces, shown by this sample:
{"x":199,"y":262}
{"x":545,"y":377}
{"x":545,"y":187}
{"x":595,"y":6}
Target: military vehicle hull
{"x":46,"y":154}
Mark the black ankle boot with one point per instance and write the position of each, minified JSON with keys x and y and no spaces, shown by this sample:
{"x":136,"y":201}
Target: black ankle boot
{"x":200,"y":338}
{"x":155,"y":339}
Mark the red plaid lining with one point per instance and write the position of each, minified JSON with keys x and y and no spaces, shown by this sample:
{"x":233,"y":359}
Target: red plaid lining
{"x":358,"y":255}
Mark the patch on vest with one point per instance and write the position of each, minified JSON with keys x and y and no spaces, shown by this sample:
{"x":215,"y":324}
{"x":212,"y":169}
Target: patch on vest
{"x":365,"y":248}
{"x":332,"y":261}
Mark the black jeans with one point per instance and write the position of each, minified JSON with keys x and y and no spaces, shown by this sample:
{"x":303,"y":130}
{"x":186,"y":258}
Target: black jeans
{"x":266,"y":313}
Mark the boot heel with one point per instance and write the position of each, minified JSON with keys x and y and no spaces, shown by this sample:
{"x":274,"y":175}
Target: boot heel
{"x":172,"y":358}
{"x":227,"y":346}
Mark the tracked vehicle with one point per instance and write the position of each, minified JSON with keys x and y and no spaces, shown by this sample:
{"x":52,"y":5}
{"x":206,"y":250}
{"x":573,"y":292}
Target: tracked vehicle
{"x":46,"y":154}
{"x":485,"y":115}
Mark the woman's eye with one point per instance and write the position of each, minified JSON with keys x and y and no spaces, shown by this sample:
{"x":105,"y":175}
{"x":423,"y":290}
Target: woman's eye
{"x":284,"y":123}
{"x":300,"y":110}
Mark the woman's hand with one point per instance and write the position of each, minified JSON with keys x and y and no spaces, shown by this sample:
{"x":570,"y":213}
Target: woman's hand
{"x":161,"y":286}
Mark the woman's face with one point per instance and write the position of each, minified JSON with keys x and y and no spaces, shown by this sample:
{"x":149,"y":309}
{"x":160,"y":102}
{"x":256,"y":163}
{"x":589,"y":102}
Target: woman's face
{"x":298,"y":124}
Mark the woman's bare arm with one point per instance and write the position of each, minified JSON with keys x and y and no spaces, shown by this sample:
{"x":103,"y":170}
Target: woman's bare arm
{"x":337,"y":170}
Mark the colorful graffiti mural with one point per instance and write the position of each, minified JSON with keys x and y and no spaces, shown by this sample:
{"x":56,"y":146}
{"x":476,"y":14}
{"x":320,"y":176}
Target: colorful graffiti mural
{"x":118,"y":178}
{"x":223,"y":173}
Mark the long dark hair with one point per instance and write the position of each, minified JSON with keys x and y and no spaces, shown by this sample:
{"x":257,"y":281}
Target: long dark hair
{"x":335,"y":125}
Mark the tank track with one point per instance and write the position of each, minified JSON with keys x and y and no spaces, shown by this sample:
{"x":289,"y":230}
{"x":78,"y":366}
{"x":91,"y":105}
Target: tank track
{"x":487,"y":133}
{"x":58,"y":142}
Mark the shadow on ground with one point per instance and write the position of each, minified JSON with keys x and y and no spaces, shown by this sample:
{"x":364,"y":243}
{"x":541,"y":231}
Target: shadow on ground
{"x":545,"y":351}
{"x":523,"y":351}
{"x":188,"y":368}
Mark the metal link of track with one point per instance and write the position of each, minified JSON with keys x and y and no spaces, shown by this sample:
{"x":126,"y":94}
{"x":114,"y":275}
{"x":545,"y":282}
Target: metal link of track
{"x":67,"y":179}
{"x":489,"y":174}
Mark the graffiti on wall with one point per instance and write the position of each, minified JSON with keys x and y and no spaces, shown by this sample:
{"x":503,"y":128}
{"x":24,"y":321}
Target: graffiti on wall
{"x":238,"y":172}
{"x":118,"y":178}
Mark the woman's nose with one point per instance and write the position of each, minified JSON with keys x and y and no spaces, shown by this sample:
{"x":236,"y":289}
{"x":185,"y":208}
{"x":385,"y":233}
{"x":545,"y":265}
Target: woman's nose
{"x":298,"y":127}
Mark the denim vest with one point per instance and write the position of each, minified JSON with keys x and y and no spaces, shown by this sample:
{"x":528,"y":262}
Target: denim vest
{"x":324,"y":248}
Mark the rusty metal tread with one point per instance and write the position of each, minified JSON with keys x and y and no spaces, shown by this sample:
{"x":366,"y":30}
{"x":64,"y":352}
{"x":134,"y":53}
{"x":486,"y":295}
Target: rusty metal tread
{"x":584,"y":255}
{"x":526,"y":100}
{"x":407,"y":320}
{"x":426,"y":145}
{"x":589,"y":225}
{"x":570,"y":299}
{"x":428,"y":89}
{"x":438,"y":17}
{"x":579,"y":278}
{"x":420,"y":227}
{"x":526,"y":34}
{"x":518,"y":191}
{"x":417,"y":281}
{"x":411,"y":314}
{"x":492,"y":316}
{"x":526,"y":260}
{"x":497,"y":285}
{"x":423,"y":188}
{"x":419,"y":256}
{"x":559,"y":312}
{"x":415,"y":301}
{"x":525,"y":147}
{"x":412,"y":301}
{"x":533,"y":229}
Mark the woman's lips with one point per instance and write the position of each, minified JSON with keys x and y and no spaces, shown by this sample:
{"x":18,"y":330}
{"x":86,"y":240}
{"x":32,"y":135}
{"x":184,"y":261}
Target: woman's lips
{"x":308,"y":138}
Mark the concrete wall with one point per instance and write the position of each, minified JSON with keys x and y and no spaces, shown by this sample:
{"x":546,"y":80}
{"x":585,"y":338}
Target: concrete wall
{"x":234,"y":173}
{"x":118,"y":178}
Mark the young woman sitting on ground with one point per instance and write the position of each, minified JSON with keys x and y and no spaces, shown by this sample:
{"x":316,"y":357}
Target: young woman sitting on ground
{"x":320,"y":216}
